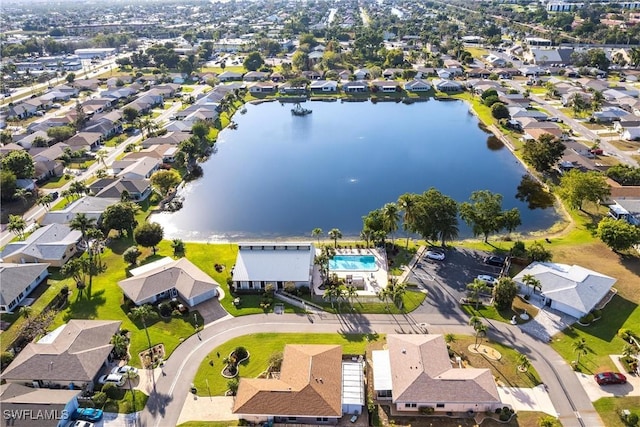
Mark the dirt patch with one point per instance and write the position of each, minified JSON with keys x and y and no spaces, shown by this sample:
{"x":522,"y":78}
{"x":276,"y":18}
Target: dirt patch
{"x":486,"y":351}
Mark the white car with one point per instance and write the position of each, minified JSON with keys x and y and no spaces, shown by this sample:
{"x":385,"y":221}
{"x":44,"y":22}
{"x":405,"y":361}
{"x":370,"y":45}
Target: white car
{"x":116,"y":379}
{"x":121,"y":370}
{"x":489,"y":280}
{"x":438,"y":256}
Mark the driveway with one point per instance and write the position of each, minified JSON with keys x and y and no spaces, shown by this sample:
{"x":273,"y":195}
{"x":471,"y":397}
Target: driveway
{"x":595,"y":392}
{"x":528,"y":399}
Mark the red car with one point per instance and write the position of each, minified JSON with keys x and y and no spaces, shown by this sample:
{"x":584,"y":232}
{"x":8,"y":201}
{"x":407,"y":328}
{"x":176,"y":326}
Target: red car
{"x":605,"y":378}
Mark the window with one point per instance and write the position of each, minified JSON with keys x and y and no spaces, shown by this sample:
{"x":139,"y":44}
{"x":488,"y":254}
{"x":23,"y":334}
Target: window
{"x":440,"y":405}
{"x":410,"y":405}
{"x":322,"y":419}
{"x":292,"y":418}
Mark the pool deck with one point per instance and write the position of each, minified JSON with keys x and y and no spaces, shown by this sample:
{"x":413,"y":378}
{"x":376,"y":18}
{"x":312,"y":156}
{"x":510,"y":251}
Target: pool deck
{"x":374,"y":280}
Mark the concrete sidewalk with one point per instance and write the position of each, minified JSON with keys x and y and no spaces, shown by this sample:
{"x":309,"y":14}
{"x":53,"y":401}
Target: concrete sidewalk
{"x":527,"y":399}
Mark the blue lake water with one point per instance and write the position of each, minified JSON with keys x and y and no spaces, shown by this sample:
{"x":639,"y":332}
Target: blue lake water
{"x":280,"y":176}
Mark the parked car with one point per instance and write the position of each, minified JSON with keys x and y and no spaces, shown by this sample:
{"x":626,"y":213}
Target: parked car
{"x":494,"y":260}
{"x":54,"y":195}
{"x":488,"y":280}
{"x":605,"y":378}
{"x":124,"y":369}
{"x":597,"y":151}
{"x":435,"y":255}
{"x":88,"y":414}
{"x":116,"y":379}
{"x":83,"y":423}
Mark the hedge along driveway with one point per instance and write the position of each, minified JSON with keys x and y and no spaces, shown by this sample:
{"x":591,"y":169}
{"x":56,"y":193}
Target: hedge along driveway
{"x":261,"y":347}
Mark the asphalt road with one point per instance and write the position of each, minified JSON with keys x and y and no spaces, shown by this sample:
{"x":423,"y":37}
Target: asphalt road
{"x":167,"y":399}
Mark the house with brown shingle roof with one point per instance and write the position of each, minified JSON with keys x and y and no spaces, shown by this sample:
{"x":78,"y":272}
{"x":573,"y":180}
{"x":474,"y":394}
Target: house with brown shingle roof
{"x":415,"y":372}
{"x":308,"y":390}
{"x":74,"y":354}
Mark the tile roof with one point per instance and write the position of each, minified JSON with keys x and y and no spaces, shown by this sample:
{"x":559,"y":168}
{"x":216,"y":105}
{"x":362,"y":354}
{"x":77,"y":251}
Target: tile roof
{"x":16,"y":277}
{"x":74,"y":352}
{"x":310,"y":384}
{"x":181,"y":274}
{"x":422,"y":372}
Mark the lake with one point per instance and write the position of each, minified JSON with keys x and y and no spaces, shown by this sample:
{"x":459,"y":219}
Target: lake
{"x":279,"y":175}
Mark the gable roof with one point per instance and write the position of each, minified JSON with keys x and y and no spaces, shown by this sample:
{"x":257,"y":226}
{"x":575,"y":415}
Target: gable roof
{"x":572,"y":285}
{"x":181,"y":274}
{"x":422,"y":372}
{"x":19,"y":399}
{"x":16,"y":277}
{"x":73,"y":352}
{"x":46,"y":243}
{"x":310,"y":384}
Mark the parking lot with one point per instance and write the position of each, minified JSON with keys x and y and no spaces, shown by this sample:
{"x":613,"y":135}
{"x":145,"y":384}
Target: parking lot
{"x":447,"y":280}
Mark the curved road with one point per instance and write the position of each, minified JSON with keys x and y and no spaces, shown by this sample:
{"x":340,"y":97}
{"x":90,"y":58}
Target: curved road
{"x":170,"y":392}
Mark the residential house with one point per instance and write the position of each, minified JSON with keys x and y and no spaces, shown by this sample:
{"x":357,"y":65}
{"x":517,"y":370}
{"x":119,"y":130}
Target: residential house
{"x":21,"y":111}
{"x":481,"y":73}
{"x":385,"y":86}
{"x":552,"y":56}
{"x":362,"y":74}
{"x":534,"y":134}
{"x":289,"y":88}
{"x":18,"y":281}
{"x":355,"y":86}
{"x":255,"y":76}
{"x":518,"y":112}
{"x":48,"y":123}
{"x":515,"y":99}
{"x":87,"y":141}
{"x":567,"y":98}
{"x":263,"y":87}
{"x":122,"y":93}
{"x":344,"y":74}
{"x":443,"y":85}
{"x":168,"y":278}
{"x":315,"y":386}
{"x":106,"y":124}
{"x":55,"y":96}
{"x":391,"y":73}
{"x":571,"y":289}
{"x":628,"y":121}
{"x":35,"y":407}
{"x":312,"y":75}
{"x":70,"y":356}
{"x":417,"y":85}
{"x":627,"y":209}
{"x":86,"y":84}
{"x":54,"y":244}
{"x":28,"y":140}
{"x":92,"y":207}
{"x":424,"y":72}
{"x":46,"y":161}
{"x":173,"y":138}
{"x":495,"y":61}
{"x":69,"y":90}
{"x":141,"y":169}
{"x":616,"y":94}
{"x":315,"y":57}
{"x":113,"y":188}
{"x":608,"y":114}
{"x":323,"y":86}
{"x":277,"y":77}
{"x":7,"y":148}
{"x":259,"y":264}
{"x":164,"y":152}
{"x":631,"y":134}
{"x":97,"y":105}
{"x":229,"y":76}
{"x":415,"y":372}
{"x":532,"y":71}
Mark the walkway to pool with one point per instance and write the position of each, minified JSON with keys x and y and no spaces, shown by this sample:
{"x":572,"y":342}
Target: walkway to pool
{"x":368,"y":282}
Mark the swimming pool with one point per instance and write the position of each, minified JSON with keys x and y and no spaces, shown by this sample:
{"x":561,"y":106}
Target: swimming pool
{"x":353,"y":263}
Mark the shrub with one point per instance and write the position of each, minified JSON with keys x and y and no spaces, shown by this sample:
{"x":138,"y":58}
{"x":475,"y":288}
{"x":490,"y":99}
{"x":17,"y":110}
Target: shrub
{"x":165,"y":309}
{"x":131,"y":255}
{"x":290,"y":287}
{"x":518,"y":249}
{"x":625,"y":334}
{"x":426,"y":410}
{"x":505,"y":414}
{"x":596,"y":313}
{"x":241,"y":353}
{"x":586,"y":319}
{"x":111,"y":390}
{"x":632,"y":420}
{"x":99,"y":399}
{"x":65,"y":290}
{"x":233,"y":386}
{"x":5,"y":359}
{"x":304,"y":291}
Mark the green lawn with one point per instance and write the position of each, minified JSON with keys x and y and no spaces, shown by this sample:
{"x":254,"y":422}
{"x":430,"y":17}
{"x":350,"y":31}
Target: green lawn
{"x":57,"y":181}
{"x":609,"y":409}
{"x":504,"y":370}
{"x":127,"y":402}
{"x":490,"y":312}
{"x":411,"y":300}
{"x":260,"y":348}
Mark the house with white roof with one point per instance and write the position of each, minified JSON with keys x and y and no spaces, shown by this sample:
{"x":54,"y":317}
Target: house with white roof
{"x":18,"y":281}
{"x":444,"y":85}
{"x":571,"y":289}
{"x":167,"y":278}
{"x":417,"y":85}
{"x":54,"y":244}
{"x":92,"y":207}
{"x":415,"y":372}
{"x":259,"y":264}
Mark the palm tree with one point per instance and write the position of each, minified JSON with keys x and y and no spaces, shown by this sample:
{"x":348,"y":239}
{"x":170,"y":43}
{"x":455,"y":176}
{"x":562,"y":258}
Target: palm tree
{"x":366,"y":236}
{"x":316,"y":232}
{"x":76,"y":268}
{"x":22,"y":194}
{"x":407,"y":202}
{"x":384,"y":295}
{"x":390,"y":217}
{"x":101,"y":155}
{"x":143,"y":313}
{"x":335,"y":234}
{"x":475,"y":289}
{"x":120,"y":344}
{"x":45,"y":200}
{"x":82,"y":223}
{"x":629,"y":350}
{"x":581,"y":348}
{"x":449,"y":338}
{"x":523,"y":363}
{"x":352,"y":293}
{"x":398,"y":290}
{"x":78,"y":188}
{"x":25,"y":311}
{"x":481,"y":331}
{"x":331,"y":293}
{"x":448,"y":230}
{"x":17,"y":225}
{"x":530,"y":280}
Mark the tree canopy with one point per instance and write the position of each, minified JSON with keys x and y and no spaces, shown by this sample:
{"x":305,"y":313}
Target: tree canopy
{"x":576,"y":187}
{"x":485,"y":216}
{"x":165,"y":180}
{"x":543,"y":153}
{"x":253,"y":61}
{"x":120,"y":217}
{"x":19,"y":163}
{"x":618,"y":234}
{"x":149,"y":235}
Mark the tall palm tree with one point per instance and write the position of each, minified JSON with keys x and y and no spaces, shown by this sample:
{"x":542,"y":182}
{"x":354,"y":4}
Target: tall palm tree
{"x":120,"y":344}
{"x":365,"y":235}
{"x":384,"y":295}
{"x":352,"y":293}
{"x":101,"y":155}
{"x":317,"y":232}
{"x":83,"y":224}
{"x":76,"y":268}
{"x":407,"y":202}
{"x":476,"y":288}
{"x":391,"y":216}
{"x":398,"y":290}
{"x":481,"y":331}
{"x":331,"y":293}
{"x":143,"y":313}
{"x":22,"y":194}
{"x":335,"y":234}
{"x":531,"y":281}
{"x":78,"y":188}
{"x":581,"y":348}
{"x":17,"y":225}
